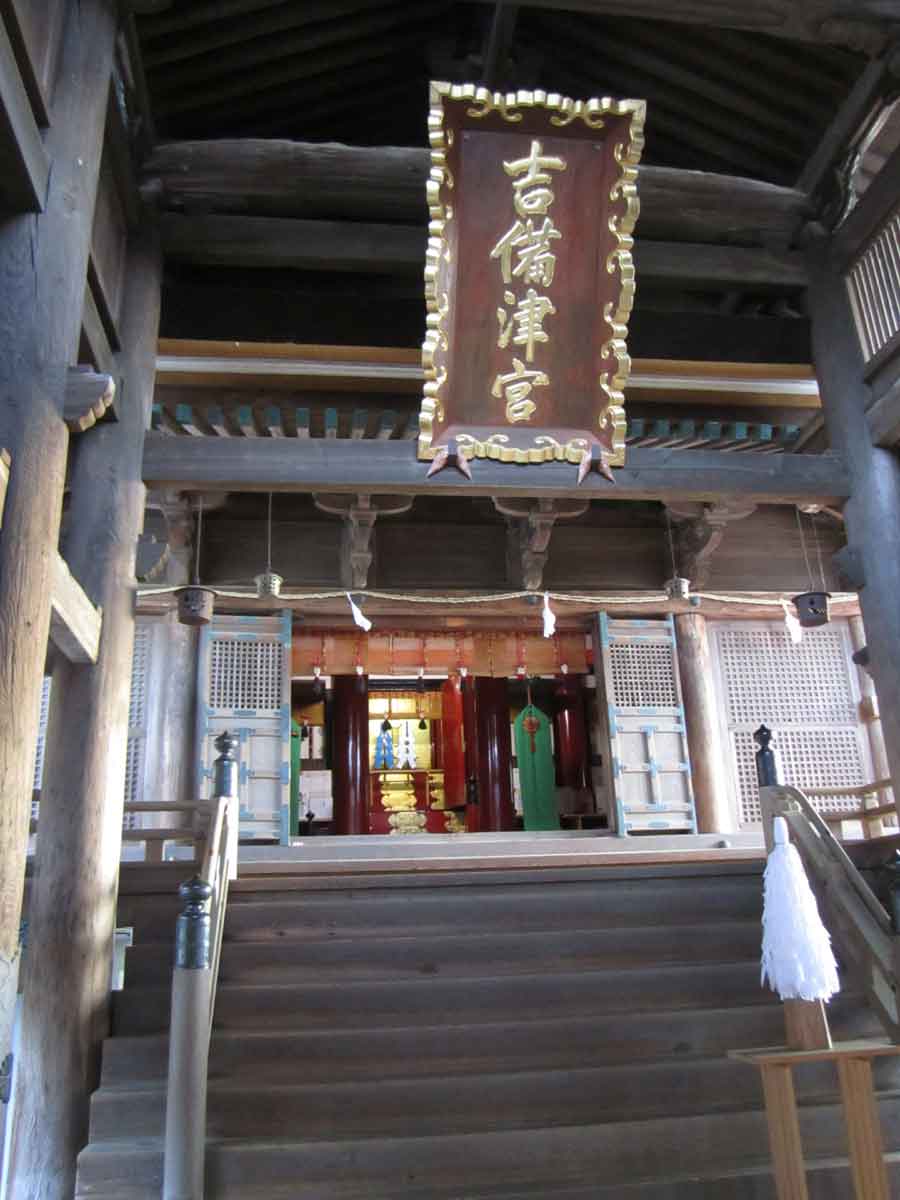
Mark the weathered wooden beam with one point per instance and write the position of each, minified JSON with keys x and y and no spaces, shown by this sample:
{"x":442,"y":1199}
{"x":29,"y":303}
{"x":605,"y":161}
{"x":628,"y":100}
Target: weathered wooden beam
{"x":278,"y":242}
{"x":343,"y":465}
{"x":806,"y":20}
{"x":332,"y":181}
{"x":74,"y":622}
{"x":89,"y":396}
{"x":24,"y":164}
{"x":884,"y":417}
{"x":4,"y":480}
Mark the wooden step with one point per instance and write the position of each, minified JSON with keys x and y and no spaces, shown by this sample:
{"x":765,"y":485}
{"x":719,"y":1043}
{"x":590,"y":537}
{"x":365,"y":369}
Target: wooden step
{"x":474,"y":1165}
{"x":262,"y":916}
{"x":485,"y":999}
{"x":475,"y":1102}
{"x":321,"y":959}
{"x":330,"y":1055}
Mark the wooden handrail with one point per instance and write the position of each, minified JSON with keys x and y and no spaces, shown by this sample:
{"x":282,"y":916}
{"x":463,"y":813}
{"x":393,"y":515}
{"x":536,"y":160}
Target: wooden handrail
{"x":859,"y":789}
{"x":194,"y":979}
{"x":859,"y":923}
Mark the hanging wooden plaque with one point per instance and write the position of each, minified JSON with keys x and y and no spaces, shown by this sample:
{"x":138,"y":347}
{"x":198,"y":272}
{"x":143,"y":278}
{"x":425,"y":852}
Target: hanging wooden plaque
{"x":529,"y":277}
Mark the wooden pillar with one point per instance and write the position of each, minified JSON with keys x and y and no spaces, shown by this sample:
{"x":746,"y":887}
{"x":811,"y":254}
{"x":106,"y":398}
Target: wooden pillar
{"x":452,"y":743}
{"x":872,"y":716}
{"x":872,"y":514}
{"x":72,"y":914}
{"x":470,"y":746}
{"x":494,"y":755}
{"x":712,"y":791}
{"x":436,"y":737}
{"x":43,"y":267}
{"x":350,"y":753}
{"x":569,"y":733}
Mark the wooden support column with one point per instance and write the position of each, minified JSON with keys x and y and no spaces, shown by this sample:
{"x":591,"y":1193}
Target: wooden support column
{"x":350,"y":753}
{"x":72,"y":916}
{"x":495,"y":801}
{"x":871,"y":715}
{"x":470,"y":744}
{"x":570,"y":734}
{"x":872,"y":515}
{"x":712,"y":792}
{"x":452,"y":745}
{"x":43,"y":267}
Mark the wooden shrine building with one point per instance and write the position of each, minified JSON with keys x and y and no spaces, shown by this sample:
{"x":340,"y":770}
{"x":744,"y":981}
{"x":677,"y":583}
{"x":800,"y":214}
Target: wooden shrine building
{"x":487,"y":414}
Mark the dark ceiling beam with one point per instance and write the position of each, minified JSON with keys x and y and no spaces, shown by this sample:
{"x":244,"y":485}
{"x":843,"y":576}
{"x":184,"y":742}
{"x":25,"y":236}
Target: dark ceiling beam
{"x":267,"y":62}
{"x":275,"y":242}
{"x":740,"y":115}
{"x":875,"y":206}
{"x":838,"y":137}
{"x":196,"y":15}
{"x":864,"y":25}
{"x":277,"y":177}
{"x":24,"y":165}
{"x":347,"y":466}
{"x":498,"y":45}
{"x":224,"y":34}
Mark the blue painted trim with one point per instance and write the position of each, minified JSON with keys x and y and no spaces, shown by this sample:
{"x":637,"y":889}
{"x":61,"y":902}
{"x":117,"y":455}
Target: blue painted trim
{"x":245,"y":712}
{"x":285,"y":772}
{"x":653,"y":769}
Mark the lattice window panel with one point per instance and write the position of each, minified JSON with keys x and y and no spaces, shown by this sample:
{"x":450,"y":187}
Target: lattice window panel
{"x":873,"y":283}
{"x":643,"y":674}
{"x":137,"y":722}
{"x":246,"y":675}
{"x":806,"y":694}
{"x":41,"y":742}
{"x":768,"y":678}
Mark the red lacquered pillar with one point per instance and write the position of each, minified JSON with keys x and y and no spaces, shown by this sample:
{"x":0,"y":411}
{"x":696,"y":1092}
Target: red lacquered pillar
{"x":436,"y":736}
{"x":570,"y":733}
{"x":494,"y":755}
{"x":470,"y":747}
{"x":350,"y":753}
{"x":453,"y":754}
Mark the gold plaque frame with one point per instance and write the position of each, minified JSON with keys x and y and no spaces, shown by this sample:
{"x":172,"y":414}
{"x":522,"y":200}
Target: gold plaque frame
{"x":621,"y":225}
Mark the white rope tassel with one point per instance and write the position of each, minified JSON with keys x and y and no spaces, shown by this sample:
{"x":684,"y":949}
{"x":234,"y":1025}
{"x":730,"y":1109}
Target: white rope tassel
{"x":362,"y":621}
{"x":794,"y":628}
{"x":549,"y":617}
{"x":797,"y":961}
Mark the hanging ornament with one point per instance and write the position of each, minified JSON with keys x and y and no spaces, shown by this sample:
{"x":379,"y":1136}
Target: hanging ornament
{"x":677,"y":588}
{"x":794,"y":628}
{"x":406,"y":755}
{"x":384,"y":747}
{"x":358,"y":618}
{"x":318,"y":685}
{"x":423,"y":724}
{"x":195,"y":603}
{"x":549,"y":617}
{"x":268,"y":584}
{"x":812,"y":606}
{"x":420,"y":682}
{"x":797,"y":960}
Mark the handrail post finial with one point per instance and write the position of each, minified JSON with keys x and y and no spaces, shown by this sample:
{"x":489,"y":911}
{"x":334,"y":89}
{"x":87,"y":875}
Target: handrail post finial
{"x":768,"y":760}
{"x":193,"y":926}
{"x":225,"y":767}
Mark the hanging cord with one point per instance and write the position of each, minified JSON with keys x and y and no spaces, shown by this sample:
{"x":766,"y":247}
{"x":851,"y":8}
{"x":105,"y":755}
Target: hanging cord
{"x":269,"y":538}
{"x":197,"y":547}
{"x":815,"y":527}
{"x":812,"y":584}
{"x":671,"y":544}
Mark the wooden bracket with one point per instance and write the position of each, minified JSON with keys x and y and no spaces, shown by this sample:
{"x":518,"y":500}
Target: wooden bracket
{"x":89,"y":397}
{"x":359,"y":514}
{"x":699,"y":529}
{"x":530,"y":526}
{"x":74,"y":622}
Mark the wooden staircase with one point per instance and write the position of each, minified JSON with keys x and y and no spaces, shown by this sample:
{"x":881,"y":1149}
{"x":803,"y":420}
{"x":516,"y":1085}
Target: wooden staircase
{"x":473,"y":1034}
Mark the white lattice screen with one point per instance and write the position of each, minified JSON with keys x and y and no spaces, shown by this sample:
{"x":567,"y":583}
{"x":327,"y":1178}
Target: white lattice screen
{"x":41,"y":742}
{"x":246,"y":674}
{"x":643,"y":674}
{"x":137,"y":722}
{"x":807,"y":693}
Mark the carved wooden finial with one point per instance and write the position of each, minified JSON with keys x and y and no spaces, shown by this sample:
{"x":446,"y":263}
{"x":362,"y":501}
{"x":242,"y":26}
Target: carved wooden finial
{"x":225,"y":768}
{"x":192,"y":926}
{"x":768,"y":766}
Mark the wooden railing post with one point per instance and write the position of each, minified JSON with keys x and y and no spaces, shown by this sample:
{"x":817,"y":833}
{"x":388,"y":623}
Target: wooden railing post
{"x":185,"y":1146}
{"x":225,"y":783}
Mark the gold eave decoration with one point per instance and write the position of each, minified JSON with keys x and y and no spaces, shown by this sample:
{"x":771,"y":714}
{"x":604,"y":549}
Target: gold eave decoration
{"x":513,"y":107}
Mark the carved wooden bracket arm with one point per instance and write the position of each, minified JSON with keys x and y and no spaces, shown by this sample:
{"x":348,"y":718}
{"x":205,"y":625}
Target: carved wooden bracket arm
{"x":698,"y":530}
{"x":359,"y":513}
{"x":530,"y":526}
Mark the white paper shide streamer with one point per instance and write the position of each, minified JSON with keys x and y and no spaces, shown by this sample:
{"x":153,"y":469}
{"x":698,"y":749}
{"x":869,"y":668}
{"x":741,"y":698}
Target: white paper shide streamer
{"x":359,"y":619}
{"x":797,"y":960}
{"x":794,"y":628}
{"x":549,"y":617}
{"x":406,"y":755}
